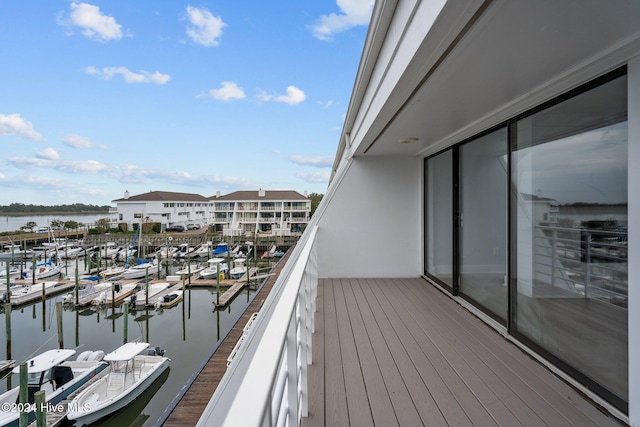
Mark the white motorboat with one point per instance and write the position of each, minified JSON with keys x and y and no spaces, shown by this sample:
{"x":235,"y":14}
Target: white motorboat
{"x":14,"y":273}
{"x":184,"y":251}
{"x":130,"y":373}
{"x":13,"y":252}
{"x":29,"y":289}
{"x":86,"y":295}
{"x":139,"y":271}
{"x":120,"y":292}
{"x":52,"y":372}
{"x":216,"y":266}
{"x":190,"y":268}
{"x":239,"y":268}
{"x":112,"y":272}
{"x":140,"y":298}
{"x":109,"y":250}
{"x":169,"y":300}
{"x":164,"y":252}
{"x":203,"y":250}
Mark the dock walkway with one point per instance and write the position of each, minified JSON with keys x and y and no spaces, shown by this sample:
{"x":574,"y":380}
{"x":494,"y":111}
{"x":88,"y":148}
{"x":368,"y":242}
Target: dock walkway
{"x":189,"y":407}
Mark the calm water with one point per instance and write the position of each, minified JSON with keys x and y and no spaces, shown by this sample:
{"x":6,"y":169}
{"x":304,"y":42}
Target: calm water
{"x":13,"y":223}
{"x":187,"y":332}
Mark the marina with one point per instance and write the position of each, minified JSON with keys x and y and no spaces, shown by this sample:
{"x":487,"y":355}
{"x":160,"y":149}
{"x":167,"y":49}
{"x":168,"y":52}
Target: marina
{"x":185,"y":323}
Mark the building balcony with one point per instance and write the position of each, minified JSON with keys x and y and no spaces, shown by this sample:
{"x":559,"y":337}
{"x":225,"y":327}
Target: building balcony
{"x":383,"y":352}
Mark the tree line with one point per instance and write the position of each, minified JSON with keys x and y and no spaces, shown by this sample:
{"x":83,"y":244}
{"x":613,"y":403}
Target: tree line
{"x":21,"y":208}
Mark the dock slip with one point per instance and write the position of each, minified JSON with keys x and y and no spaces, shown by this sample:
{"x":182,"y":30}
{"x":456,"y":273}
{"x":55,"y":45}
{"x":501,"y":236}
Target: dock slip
{"x":186,"y":408}
{"x":230,"y":294}
{"x":57,"y":418}
{"x":6,"y":365}
{"x":34,"y":292}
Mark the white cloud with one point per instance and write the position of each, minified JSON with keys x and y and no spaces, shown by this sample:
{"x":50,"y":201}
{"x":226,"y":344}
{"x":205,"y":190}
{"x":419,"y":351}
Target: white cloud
{"x":13,"y":124}
{"x":314,"y":177}
{"x":316,"y":161}
{"x":294,"y":96}
{"x":86,"y":166}
{"x":227,"y":92}
{"x":205,"y":28}
{"x":80,"y":142}
{"x":352,"y":13}
{"x":94,"y":24}
{"x":48,"y":154}
{"x":142,"y":76}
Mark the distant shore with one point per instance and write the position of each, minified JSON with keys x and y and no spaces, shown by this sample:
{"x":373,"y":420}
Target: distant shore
{"x":53,"y":213}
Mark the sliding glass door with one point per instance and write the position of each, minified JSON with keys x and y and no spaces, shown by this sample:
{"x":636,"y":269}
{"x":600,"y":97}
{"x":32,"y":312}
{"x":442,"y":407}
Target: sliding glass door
{"x":483,"y":222}
{"x":528,"y":222}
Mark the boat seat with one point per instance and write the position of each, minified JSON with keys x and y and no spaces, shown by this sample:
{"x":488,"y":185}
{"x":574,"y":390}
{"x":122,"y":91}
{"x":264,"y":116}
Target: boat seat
{"x":115,"y":381}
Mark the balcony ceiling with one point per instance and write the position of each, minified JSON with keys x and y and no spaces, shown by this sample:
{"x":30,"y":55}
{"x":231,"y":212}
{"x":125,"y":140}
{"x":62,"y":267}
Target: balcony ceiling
{"x":512,"y":49}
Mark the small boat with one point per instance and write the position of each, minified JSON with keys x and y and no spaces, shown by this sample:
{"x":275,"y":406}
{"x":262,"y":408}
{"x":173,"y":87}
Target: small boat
{"x":164,"y":252}
{"x":184,"y":251}
{"x":130,"y":373}
{"x":221,"y":250}
{"x":120,"y":293}
{"x":169,"y":300}
{"x":190,"y":268}
{"x":239,"y":268}
{"x":14,"y":273}
{"x":53,"y":372}
{"x":112,"y":272}
{"x":43,"y":270}
{"x":203,"y":250}
{"x":86,"y":295}
{"x":109,"y":250}
{"x":13,"y":252}
{"x":140,"y":298}
{"x":139,"y":271}
{"x":30,"y":289}
{"x":215,"y":265}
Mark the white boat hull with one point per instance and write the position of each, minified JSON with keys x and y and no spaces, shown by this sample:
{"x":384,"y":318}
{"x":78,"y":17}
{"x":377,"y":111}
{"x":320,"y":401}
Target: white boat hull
{"x":86,"y":409}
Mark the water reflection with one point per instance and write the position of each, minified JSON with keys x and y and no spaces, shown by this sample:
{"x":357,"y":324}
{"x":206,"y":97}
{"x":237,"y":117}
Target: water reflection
{"x":187,"y":332}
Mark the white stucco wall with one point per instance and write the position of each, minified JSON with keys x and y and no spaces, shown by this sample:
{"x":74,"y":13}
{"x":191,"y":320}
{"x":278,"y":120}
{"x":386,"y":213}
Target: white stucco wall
{"x":371,"y":227}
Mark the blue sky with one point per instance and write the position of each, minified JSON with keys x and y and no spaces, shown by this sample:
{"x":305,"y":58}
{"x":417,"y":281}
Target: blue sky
{"x":101,"y":97}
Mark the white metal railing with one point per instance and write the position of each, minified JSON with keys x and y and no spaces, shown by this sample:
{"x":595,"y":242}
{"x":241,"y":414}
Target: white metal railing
{"x":266,"y":385}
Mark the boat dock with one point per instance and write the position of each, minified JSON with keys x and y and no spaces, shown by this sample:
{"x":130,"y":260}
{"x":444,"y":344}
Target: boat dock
{"x":59,"y":417}
{"x":6,"y":365}
{"x":188,"y":405}
{"x":230,"y":293}
{"x":37,"y":294}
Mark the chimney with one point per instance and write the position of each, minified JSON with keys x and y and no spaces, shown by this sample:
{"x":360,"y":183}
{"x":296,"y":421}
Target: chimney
{"x":126,"y":194}
{"x":306,"y":195}
{"x":261,"y":193}
{"x":217,"y":194}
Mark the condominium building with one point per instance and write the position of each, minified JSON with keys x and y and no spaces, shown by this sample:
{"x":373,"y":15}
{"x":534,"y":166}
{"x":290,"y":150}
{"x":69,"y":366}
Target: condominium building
{"x":165,"y":207}
{"x":279,"y":213}
{"x":276,"y":212}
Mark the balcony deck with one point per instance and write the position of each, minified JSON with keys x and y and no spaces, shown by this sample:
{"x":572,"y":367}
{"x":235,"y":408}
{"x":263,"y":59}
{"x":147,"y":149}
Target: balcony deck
{"x":399,"y":352}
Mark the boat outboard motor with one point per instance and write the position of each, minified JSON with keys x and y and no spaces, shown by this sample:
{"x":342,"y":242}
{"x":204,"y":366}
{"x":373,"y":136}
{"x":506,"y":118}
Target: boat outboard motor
{"x":132,"y":301}
{"x":155,"y":351}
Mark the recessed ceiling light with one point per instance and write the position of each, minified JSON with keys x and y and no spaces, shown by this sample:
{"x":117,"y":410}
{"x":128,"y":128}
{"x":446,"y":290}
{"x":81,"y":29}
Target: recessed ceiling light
{"x":408,"y":140}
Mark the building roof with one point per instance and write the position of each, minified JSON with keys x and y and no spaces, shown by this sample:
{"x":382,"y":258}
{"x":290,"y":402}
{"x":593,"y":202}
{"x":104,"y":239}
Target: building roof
{"x":268,"y":195}
{"x":164,"y":196}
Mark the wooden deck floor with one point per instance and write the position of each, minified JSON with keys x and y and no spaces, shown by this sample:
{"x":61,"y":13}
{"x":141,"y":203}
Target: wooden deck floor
{"x":398,"y":352}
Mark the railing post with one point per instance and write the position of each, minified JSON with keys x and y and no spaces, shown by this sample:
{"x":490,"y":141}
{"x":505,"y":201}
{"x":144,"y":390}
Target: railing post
{"x":587,"y":263}
{"x":292,"y":370}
